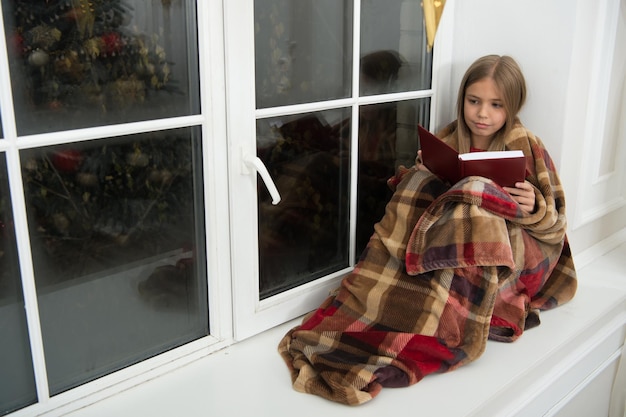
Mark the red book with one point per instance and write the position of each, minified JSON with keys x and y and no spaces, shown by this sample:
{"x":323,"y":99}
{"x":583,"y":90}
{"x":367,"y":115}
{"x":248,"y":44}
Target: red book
{"x":504,"y":167}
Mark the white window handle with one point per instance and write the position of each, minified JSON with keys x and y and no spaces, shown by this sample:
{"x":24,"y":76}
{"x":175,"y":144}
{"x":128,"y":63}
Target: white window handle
{"x":254,"y":163}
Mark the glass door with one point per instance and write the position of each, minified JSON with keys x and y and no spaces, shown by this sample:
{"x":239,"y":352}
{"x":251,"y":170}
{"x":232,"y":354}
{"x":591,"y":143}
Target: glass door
{"x":324,"y":100}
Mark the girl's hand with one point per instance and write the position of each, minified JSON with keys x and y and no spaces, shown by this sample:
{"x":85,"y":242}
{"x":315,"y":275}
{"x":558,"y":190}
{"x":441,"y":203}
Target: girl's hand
{"x":524,"y":194}
{"x":418,"y":163}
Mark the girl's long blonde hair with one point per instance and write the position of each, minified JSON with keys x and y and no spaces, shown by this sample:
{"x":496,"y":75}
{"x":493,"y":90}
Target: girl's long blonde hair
{"x":508,"y":77}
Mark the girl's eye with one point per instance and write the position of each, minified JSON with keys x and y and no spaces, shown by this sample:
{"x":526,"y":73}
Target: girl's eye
{"x":497,"y":105}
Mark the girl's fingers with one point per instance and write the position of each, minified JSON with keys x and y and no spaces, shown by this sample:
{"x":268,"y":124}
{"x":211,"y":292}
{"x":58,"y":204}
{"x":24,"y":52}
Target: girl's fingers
{"x":524,"y":195}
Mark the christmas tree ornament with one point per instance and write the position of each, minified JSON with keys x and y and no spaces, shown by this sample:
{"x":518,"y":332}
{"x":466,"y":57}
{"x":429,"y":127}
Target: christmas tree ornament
{"x":92,"y":47}
{"x":137,"y":159}
{"x":160,"y":176}
{"x":87,"y":179}
{"x":85,"y":18}
{"x":43,"y":36}
{"x":127,"y":92}
{"x":60,"y":222}
{"x":111,"y":43}
{"x":67,"y":161}
{"x":16,"y":43}
{"x":38,"y":58}
{"x":30,"y":164}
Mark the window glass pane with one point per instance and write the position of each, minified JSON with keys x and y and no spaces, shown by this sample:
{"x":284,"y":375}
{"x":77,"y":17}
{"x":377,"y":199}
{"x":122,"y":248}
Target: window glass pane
{"x":17,"y":383}
{"x":80,"y":63}
{"x":118,"y":249}
{"x":303,"y":51}
{"x":387,"y":139}
{"x":306,"y":235}
{"x":394,"y":53}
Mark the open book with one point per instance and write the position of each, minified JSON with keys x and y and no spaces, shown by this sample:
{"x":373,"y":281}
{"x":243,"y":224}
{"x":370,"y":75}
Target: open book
{"x":504,"y":167}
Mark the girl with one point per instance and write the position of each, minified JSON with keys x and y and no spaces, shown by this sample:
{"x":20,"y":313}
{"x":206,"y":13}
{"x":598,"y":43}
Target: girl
{"x":448,"y":266}
{"x":492,"y":93}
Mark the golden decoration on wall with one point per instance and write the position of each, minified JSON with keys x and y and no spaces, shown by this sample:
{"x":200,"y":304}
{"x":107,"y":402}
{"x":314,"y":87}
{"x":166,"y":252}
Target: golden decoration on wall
{"x":432,"y":15}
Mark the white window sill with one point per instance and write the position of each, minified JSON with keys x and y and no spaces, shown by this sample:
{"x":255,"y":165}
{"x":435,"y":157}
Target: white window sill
{"x":564,"y":367}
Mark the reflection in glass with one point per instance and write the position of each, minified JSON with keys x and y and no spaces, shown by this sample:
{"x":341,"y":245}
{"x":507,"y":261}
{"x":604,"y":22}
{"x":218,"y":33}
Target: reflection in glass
{"x":387,"y":139}
{"x":394,"y":52}
{"x":117,"y":241}
{"x":306,"y":235}
{"x":17,"y":381}
{"x":303,"y":51}
{"x":79,"y":63}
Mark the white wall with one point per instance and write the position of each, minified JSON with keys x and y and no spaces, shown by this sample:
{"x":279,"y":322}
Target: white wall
{"x":572,"y":54}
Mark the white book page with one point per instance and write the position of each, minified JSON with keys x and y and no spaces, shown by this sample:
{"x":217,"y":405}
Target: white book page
{"x":472,"y":156}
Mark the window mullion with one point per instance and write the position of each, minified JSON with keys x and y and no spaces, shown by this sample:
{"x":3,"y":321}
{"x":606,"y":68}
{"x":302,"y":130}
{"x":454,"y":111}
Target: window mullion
{"x":27,"y":273}
{"x":20,"y":223}
{"x":354,"y":129}
{"x":217,"y":216}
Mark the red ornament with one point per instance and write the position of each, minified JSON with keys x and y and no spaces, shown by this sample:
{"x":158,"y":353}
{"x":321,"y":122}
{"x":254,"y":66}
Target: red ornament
{"x":112,"y":42}
{"x":67,"y":160}
{"x":16,"y":43}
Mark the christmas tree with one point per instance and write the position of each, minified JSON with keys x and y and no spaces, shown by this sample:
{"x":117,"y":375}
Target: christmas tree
{"x":98,"y":204}
{"x":101,"y":204}
{"x":83,"y":57}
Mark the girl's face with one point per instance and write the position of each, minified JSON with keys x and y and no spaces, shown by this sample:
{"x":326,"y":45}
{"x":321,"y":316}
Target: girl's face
{"x":483,"y":111}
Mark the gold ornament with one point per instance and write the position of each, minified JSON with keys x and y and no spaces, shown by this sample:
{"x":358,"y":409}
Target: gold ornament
{"x":44,"y":36}
{"x":85,"y":16}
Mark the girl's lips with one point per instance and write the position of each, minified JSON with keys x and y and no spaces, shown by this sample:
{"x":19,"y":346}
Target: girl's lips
{"x":481,"y":125}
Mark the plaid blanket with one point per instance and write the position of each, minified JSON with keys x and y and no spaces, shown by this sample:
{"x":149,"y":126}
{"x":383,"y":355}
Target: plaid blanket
{"x":446,"y":269}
